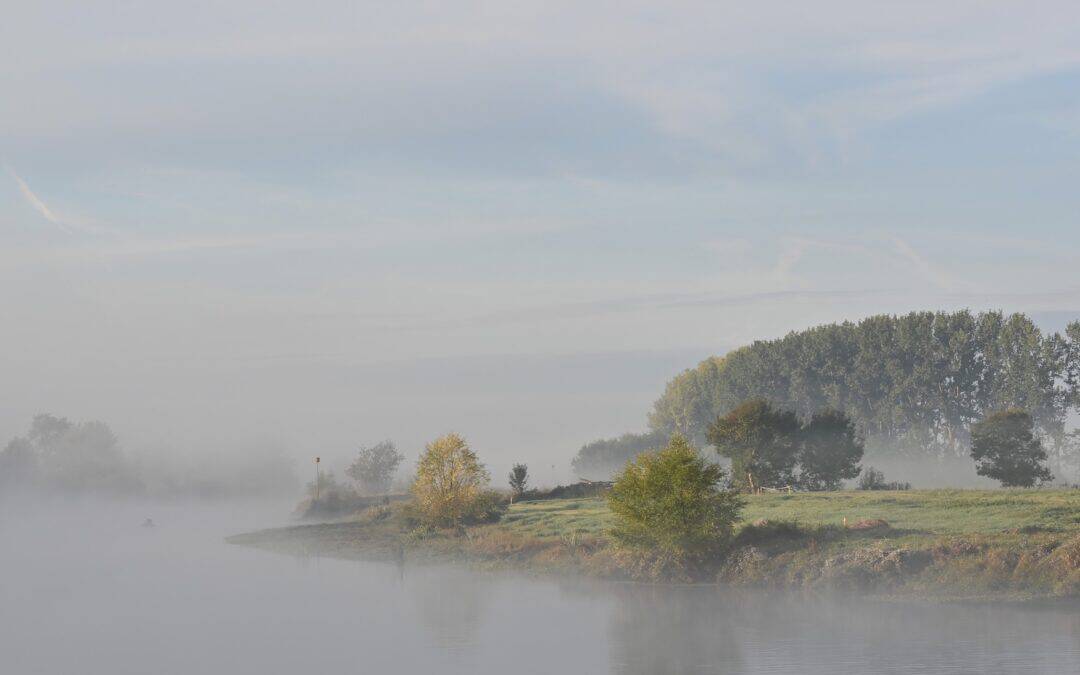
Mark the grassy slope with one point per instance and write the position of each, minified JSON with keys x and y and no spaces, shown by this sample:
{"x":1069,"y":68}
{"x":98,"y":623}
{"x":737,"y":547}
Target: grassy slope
{"x":943,"y":512}
{"x":958,"y":543}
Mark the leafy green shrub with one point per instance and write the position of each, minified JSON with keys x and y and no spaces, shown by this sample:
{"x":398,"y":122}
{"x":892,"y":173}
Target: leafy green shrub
{"x":487,"y":507}
{"x":872,"y":479}
{"x":670,"y":510}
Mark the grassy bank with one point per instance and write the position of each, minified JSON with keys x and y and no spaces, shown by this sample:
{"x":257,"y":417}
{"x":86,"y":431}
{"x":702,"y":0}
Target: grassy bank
{"x":940,"y":543}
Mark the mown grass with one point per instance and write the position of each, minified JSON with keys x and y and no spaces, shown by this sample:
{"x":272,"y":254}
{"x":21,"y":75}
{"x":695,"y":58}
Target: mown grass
{"x":941,"y":512}
{"x":558,"y":518}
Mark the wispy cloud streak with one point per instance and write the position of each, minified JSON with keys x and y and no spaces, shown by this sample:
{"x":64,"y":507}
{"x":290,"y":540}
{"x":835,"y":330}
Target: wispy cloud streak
{"x":36,"y":202}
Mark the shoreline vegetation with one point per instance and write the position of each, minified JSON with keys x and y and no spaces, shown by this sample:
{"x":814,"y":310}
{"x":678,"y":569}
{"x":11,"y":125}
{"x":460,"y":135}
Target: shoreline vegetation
{"x":1017,"y":545}
{"x":791,"y":421}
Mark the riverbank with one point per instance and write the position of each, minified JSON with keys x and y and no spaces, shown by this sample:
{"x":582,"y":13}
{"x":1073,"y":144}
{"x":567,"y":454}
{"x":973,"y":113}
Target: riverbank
{"x":956,"y":544}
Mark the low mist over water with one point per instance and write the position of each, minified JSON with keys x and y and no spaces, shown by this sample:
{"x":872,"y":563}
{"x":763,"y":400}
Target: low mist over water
{"x":87,"y":588}
{"x":644,"y":305}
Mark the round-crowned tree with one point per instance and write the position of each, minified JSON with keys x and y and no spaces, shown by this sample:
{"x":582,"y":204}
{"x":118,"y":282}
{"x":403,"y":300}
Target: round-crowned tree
{"x":449,"y":481}
{"x":762,"y":442}
{"x":1005,"y":448}
{"x":829,"y":451}
{"x":374,"y":467}
{"x":518,"y":479}
{"x":670,"y":508}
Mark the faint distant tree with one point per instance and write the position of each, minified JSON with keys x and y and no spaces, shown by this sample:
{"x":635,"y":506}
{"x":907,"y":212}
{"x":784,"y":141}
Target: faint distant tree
{"x":1005,"y":447}
{"x":519,"y":477}
{"x":72,"y":456}
{"x":18,"y":464}
{"x":871,"y":479}
{"x":601,"y":458}
{"x":329,"y":487}
{"x":374,"y":467}
{"x":47,"y":432}
{"x":829,"y":451}
{"x":690,"y":401}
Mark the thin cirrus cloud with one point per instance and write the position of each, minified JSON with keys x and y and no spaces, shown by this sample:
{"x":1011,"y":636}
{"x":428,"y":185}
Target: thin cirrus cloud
{"x":36,"y":202}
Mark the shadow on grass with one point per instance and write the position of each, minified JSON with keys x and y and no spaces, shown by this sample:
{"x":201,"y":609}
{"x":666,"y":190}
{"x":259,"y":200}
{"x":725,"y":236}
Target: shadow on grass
{"x":785,"y":535}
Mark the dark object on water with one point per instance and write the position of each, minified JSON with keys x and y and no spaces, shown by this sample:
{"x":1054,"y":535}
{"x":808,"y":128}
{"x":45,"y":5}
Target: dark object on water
{"x":148,"y":523}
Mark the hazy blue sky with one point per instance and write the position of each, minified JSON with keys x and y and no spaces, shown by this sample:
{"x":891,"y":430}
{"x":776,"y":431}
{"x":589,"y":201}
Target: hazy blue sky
{"x":223,"y":219}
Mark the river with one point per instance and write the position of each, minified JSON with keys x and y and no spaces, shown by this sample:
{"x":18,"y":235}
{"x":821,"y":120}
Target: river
{"x":85,"y":589}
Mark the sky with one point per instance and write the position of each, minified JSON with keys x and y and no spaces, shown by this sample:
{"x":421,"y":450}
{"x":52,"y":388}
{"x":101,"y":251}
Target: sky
{"x":329,"y":223}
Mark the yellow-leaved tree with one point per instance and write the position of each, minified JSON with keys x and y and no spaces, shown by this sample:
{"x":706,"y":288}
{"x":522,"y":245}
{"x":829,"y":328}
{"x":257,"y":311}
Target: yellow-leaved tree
{"x":449,"y":481}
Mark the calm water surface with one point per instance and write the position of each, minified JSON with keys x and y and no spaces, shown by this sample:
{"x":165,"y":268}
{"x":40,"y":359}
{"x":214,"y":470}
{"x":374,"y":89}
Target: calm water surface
{"x":84,"y":589}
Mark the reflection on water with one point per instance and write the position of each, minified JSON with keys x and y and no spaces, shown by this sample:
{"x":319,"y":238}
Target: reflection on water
{"x":85,"y":589}
{"x":661,"y":629}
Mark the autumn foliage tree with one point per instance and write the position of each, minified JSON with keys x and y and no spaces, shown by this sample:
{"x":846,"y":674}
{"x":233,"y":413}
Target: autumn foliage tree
{"x":450,"y":481}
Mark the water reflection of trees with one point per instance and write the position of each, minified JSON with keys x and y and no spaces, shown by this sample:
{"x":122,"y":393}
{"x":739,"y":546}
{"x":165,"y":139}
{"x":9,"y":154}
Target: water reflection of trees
{"x":672,"y":630}
{"x":450,"y":602}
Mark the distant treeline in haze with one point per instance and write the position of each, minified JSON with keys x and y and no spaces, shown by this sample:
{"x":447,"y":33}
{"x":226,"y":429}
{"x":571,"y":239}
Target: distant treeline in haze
{"x":59,"y":455}
{"x":913,"y":384}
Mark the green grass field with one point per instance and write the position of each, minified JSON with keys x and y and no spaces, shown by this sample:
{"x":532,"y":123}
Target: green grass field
{"x":944,"y":512}
{"x":973,"y":544}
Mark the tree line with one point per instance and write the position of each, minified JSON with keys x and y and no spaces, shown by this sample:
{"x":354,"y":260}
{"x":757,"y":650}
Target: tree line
{"x":58,"y":454}
{"x":912,"y":385}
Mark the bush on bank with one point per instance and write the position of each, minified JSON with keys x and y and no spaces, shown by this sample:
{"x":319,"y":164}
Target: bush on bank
{"x":671,"y":516}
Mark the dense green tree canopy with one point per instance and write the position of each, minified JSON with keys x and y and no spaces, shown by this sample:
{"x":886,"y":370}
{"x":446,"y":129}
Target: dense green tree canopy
{"x":762,"y":442}
{"x":911,"y":383}
{"x":829,"y":451}
{"x":1005,"y":448}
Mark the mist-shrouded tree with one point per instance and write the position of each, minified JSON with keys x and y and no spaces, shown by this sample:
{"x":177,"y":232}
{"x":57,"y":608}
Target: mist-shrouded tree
{"x":829,"y":451}
{"x":18,"y":464}
{"x":689,"y":402}
{"x":762,"y":442}
{"x":449,"y":481}
{"x":913,"y":384}
{"x":519,"y":478}
{"x":330,"y":488}
{"x":374,"y":467}
{"x":669,"y":507}
{"x":872,"y":479}
{"x":1006,"y":448}
{"x":600,"y":458}
{"x":72,"y":456}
